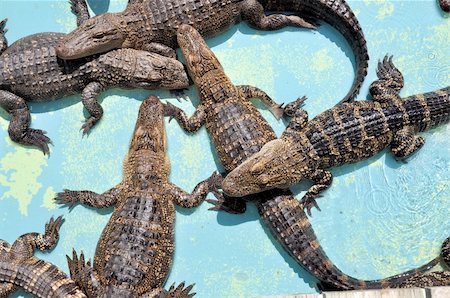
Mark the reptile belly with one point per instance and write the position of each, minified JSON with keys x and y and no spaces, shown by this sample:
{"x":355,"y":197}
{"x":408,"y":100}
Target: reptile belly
{"x":238,"y":131}
{"x":136,"y":248}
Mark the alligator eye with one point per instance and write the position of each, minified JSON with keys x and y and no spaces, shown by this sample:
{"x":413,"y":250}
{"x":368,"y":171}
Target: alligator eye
{"x":264,"y":180}
{"x":257,"y":168}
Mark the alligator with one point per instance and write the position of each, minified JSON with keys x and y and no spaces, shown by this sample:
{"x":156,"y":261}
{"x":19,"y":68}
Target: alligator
{"x":19,"y":268}
{"x":346,"y":133}
{"x":31,"y":71}
{"x":151,"y":25}
{"x":238,"y":131}
{"x":135,"y":251}
{"x":445,"y":5}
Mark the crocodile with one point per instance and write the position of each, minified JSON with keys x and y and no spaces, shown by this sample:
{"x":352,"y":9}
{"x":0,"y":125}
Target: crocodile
{"x":152,"y":24}
{"x":19,"y":268}
{"x":135,"y":251}
{"x":445,"y":5}
{"x":346,"y":133}
{"x":31,"y":71}
{"x":238,"y":131}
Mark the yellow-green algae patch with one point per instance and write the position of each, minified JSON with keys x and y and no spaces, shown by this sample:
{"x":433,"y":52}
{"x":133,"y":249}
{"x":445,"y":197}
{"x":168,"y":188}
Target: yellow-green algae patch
{"x":48,"y":201}
{"x":322,"y":60}
{"x":20,"y":171}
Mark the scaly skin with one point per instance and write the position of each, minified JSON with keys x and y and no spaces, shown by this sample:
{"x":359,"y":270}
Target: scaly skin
{"x":31,"y":71}
{"x":445,"y":5}
{"x":135,"y":251}
{"x":151,"y":25}
{"x":347,"y":133}
{"x":238,"y":131}
{"x":19,"y":268}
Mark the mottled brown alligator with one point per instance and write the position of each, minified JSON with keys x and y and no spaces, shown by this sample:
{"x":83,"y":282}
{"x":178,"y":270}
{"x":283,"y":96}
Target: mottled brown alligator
{"x":151,"y":25}
{"x":238,"y":131}
{"x":347,"y":133}
{"x":19,"y":268}
{"x":135,"y":251}
{"x":31,"y":71}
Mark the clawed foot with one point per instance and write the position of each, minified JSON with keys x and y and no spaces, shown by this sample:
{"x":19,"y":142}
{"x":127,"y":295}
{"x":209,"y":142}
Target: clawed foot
{"x":227,"y":204}
{"x":67,"y":198}
{"x":180,"y":291}
{"x":52,"y":227}
{"x":179,"y":94}
{"x":292,"y":107}
{"x":308,"y":202}
{"x":170,"y":110}
{"x":37,"y":138}
{"x":78,"y":266}
{"x":88,"y":124}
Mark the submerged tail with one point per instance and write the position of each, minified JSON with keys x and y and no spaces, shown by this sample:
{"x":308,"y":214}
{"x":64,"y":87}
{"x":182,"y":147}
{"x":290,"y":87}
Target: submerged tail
{"x":288,"y":222}
{"x":339,"y":15}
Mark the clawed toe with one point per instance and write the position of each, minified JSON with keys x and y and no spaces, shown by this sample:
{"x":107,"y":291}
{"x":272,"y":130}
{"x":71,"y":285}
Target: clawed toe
{"x":37,"y":137}
{"x":88,"y":124}
{"x":308,"y":202}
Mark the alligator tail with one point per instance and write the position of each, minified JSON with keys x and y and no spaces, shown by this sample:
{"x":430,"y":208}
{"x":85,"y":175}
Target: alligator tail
{"x":339,"y":15}
{"x":288,"y":222}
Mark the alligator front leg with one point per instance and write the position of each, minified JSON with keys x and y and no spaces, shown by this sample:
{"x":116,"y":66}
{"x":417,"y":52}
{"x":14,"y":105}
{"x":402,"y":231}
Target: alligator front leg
{"x":160,"y":49}
{"x":299,"y":117}
{"x":84,"y":275}
{"x":254,"y":92}
{"x":80,"y":10}
{"x":3,"y":41}
{"x":253,"y":12}
{"x":19,"y":127}
{"x":107,"y":199}
{"x":406,"y":143}
{"x":225,"y":203}
{"x":89,"y":100}
{"x":191,"y":124}
{"x":187,"y":200}
{"x":322,"y":180}
{"x":390,"y":82}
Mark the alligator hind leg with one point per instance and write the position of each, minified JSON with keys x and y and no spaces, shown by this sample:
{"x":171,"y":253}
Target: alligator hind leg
{"x":89,"y":198}
{"x":84,"y":275}
{"x":253,"y":12}
{"x":390,"y":82}
{"x":3,"y":41}
{"x":405,"y":143}
{"x":6,"y":289}
{"x":19,"y":128}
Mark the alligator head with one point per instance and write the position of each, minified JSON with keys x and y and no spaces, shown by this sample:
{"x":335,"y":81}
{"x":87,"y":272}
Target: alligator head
{"x":272,"y":167}
{"x":149,"y":132}
{"x":200,"y":60}
{"x":141,"y":69}
{"x":96,"y":35}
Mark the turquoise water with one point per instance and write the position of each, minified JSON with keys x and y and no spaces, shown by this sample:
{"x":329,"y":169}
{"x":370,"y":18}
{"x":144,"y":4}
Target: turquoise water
{"x":379,"y":217}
